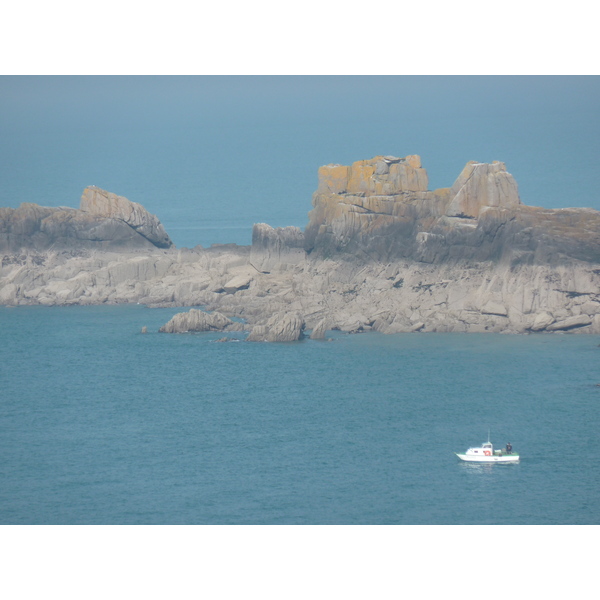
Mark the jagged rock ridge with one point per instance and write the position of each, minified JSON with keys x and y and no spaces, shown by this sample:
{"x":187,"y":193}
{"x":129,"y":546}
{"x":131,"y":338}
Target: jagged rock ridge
{"x":381,"y":210}
{"x":380,"y":252}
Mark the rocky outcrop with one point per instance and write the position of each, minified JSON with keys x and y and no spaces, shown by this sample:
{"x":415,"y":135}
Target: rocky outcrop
{"x":276,"y":249}
{"x":571,"y":323}
{"x":103,"y":204}
{"x":237,"y":283}
{"x":196,"y":320}
{"x":380,"y":176}
{"x":318,"y":332}
{"x":391,"y":297}
{"x":104,"y":222}
{"x":380,"y":210}
{"x":541,"y":321}
{"x":283,"y":327}
{"x":380,"y":253}
{"x":482,"y":185}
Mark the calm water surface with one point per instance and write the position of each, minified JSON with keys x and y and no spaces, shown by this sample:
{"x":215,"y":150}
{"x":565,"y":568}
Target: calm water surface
{"x":100,"y":424}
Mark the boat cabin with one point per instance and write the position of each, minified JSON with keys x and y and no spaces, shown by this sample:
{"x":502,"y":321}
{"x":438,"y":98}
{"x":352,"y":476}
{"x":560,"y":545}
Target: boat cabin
{"x":486,"y":449}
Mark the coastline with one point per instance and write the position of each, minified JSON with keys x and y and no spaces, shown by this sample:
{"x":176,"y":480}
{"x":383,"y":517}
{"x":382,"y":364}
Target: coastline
{"x":380,"y":253}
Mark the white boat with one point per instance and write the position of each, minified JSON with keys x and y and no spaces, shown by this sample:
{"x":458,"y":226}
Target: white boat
{"x":486,"y":454}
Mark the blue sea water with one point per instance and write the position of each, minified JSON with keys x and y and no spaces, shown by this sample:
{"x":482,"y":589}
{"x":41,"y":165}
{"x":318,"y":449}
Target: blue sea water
{"x":101,"y":424}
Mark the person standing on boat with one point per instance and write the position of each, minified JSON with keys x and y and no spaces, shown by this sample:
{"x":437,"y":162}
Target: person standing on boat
{"x":508,"y":448}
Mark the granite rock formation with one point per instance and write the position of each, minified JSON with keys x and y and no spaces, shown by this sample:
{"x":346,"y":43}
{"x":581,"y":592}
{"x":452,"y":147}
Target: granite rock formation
{"x":104,"y":221}
{"x":107,"y":205}
{"x":281,"y":327}
{"x":380,"y":253}
{"x":319,"y":330}
{"x":274,"y":249}
{"x":380,"y":210}
{"x":196,"y":320}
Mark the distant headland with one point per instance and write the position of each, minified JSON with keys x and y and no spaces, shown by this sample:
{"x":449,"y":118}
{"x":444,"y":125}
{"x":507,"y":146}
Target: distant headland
{"x":380,"y":252}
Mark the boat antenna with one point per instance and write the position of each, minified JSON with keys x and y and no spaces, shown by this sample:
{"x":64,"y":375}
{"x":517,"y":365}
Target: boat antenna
{"x":488,"y":435}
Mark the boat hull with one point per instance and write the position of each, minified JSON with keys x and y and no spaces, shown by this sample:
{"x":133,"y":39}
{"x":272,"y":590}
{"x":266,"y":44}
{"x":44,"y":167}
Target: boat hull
{"x":506,"y":458}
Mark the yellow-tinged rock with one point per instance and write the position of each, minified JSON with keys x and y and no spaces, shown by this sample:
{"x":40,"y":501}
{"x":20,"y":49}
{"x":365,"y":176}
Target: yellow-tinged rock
{"x":359,"y":176}
{"x":379,"y":176}
{"x":333,"y":179}
{"x":414,"y":160}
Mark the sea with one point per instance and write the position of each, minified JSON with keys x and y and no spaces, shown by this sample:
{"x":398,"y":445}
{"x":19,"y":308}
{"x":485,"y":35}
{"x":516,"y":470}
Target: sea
{"x":101,"y":424}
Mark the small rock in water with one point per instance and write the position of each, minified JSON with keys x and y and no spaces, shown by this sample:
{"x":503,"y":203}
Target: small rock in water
{"x":281,"y":327}
{"x":144,"y":329}
{"x":196,"y":320}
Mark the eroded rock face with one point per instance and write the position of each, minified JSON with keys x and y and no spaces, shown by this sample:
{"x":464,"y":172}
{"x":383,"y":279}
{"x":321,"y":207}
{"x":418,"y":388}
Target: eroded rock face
{"x":384,"y":254}
{"x":196,"y":320}
{"x":104,"y":222}
{"x":570,"y":323}
{"x":319,"y":331}
{"x":237,"y":283}
{"x":101,"y":203}
{"x":379,"y":176}
{"x":381,"y":210}
{"x":281,"y":327}
{"x":276,"y":249}
{"x":481,"y":185}
{"x":392,"y":297}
